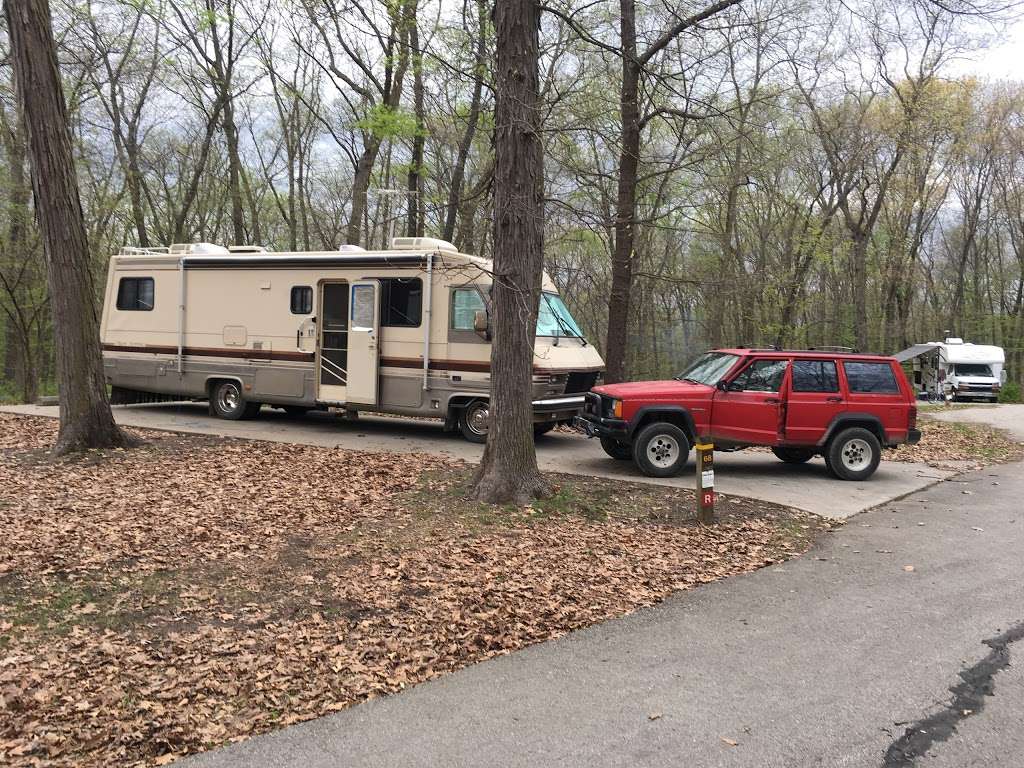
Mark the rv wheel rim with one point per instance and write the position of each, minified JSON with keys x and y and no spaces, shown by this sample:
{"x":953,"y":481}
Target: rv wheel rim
{"x":229,"y":397}
{"x":478,"y":418}
{"x":856,"y":454}
{"x":663,"y":451}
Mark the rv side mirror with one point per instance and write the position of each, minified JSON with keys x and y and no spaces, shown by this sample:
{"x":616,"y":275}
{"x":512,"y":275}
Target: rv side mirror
{"x":480,"y":324}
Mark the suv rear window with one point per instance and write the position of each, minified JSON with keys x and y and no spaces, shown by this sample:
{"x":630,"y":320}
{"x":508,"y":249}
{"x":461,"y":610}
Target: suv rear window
{"x":815,"y":376}
{"x":870,"y":378}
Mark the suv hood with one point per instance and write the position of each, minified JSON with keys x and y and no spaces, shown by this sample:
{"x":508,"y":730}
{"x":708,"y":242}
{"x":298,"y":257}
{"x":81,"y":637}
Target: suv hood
{"x":670,"y":388}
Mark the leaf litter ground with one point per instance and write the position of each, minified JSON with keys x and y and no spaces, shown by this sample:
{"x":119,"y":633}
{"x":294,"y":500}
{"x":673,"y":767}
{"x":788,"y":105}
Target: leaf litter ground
{"x":195,"y":591}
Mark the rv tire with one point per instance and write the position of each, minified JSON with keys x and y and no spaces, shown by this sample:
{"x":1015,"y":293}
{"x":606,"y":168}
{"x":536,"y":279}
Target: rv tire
{"x":473,"y":421}
{"x":227,"y":401}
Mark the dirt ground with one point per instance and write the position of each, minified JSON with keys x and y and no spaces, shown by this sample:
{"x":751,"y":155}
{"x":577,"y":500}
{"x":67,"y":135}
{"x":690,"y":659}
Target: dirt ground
{"x":161,"y":601}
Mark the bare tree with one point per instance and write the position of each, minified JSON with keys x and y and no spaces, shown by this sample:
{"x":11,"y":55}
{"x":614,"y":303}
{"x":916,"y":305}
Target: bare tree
{"x":508,"y":471}
{"x":85,"y":417}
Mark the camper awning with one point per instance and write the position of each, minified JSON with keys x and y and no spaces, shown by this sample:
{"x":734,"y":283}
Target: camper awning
{"x":915,"y":351}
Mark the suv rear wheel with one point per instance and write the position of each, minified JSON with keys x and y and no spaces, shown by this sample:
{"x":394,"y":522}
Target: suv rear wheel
{"x":661,"y":449}
{"x":617,"y":449}
{"x":853,"y":454}
{"x":793,"y":455}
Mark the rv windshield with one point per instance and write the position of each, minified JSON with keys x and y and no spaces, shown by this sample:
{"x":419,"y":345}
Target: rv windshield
{"x":553,"y":318}
{"x":708,"y":368}
{"x":973,"y":369}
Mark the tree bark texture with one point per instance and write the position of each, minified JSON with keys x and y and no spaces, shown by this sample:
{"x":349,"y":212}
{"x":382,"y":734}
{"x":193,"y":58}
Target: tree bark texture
{"x":625,"y":205}
{"x":508,"y":472}
{"x":85,"y":418}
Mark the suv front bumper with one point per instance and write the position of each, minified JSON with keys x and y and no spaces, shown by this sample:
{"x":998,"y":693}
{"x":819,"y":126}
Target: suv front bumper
{"x":595,"y":426}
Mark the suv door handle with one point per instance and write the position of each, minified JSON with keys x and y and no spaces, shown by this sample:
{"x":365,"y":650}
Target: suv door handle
{"x":772,"y":400}
{"x":833,"y":399}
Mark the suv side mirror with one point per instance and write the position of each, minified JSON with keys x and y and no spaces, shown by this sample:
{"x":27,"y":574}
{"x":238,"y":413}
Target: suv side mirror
{"x":722,"y":385}
{"x":481,"y":324}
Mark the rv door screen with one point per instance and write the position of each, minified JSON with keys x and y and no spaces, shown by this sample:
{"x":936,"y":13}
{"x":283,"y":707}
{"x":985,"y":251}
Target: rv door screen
{"x":363,"y":343}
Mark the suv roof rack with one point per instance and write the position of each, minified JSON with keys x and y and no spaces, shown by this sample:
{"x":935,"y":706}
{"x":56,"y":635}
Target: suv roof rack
{"x":824,"y":348}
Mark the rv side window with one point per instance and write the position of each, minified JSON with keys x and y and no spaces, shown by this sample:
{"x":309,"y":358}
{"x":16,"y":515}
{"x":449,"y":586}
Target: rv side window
{"x":302,"y":300}
{"x":135,"y":294}
{"x":466,"y":302}
{"x":401,"y":302}
{"x":870,"y":378}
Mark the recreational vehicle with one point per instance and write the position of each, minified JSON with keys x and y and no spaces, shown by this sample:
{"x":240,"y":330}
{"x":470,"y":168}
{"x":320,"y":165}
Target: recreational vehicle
{"x":956,"y":370}
{"x":403,"y":331}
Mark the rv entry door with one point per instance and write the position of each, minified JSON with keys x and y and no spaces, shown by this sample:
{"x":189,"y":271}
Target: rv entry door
{"x":364,"y":342}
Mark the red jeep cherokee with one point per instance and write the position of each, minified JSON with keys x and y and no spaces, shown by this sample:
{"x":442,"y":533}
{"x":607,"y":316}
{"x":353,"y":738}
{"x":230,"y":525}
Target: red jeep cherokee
{"x":844,"y":406}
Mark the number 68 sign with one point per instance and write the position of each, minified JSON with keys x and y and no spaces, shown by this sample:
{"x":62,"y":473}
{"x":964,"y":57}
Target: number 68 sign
{"x":705,"y":480}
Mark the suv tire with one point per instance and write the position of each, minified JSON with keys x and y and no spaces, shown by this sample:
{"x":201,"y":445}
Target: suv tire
{"x":661,"y":449}
{"x":228,"y":402}
{"x":853,"y":454}
{"x":793,"y":455}
{"x":617,"y":449}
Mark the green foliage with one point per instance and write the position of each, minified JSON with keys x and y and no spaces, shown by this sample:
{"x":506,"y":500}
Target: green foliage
{"x":387,"y":123}
{"x":1010,"y":393}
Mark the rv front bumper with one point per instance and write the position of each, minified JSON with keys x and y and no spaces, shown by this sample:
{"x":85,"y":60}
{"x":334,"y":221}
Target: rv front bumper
{"x":557,"y":408}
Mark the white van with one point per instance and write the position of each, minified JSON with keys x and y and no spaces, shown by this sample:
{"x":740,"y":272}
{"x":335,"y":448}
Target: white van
{"x":403,"y":331}
{"x":956,"y":370}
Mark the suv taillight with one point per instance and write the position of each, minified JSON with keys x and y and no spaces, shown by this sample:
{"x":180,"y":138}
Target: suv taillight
{"x":912,"y":418}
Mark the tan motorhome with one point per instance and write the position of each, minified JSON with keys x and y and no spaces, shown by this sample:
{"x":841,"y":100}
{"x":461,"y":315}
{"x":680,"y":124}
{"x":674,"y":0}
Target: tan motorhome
{"x":402,"y":331}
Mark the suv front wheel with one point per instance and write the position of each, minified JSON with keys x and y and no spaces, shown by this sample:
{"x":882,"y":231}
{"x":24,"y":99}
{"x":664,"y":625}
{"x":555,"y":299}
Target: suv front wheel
{"x":853,"y":454}
{"x":661,"y":449}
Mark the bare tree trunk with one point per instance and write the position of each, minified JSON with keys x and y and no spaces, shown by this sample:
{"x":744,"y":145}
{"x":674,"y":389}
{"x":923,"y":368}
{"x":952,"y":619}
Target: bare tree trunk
{"x":472,"y":120}
{"x":625,"y":206}
{"x":85,"y":418}
{"x":414,"y":223}
{"x":508,"y":471}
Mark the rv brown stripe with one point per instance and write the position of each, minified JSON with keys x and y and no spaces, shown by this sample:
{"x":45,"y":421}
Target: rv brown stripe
{"x":246,"y":354}
{"x":475,"y":366}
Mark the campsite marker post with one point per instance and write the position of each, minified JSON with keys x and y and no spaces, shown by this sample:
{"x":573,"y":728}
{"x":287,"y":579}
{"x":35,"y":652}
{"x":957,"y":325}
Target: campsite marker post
{"x":705,"y":480}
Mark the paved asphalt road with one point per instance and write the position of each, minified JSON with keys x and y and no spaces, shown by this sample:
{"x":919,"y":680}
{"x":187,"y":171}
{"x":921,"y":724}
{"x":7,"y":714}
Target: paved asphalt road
{"x":757,"y":475}
{"x":824,"y":661}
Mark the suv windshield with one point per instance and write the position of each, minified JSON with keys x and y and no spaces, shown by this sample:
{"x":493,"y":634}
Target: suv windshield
{"x":708,"y":368}
{"x":973,"y":369}
{"x":553,"y":318}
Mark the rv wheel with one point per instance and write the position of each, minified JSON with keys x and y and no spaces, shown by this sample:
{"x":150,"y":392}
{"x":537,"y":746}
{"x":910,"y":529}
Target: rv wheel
{"x":228,"y":403}
{"x":473,"y":421}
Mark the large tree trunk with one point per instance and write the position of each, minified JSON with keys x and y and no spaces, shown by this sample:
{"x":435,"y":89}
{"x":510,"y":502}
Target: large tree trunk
{"x":85,"y":418}
{"x":415,"y":206}
{"x":625,"y":206}
{"x":234,"y":169}
{"x":508,"y":471}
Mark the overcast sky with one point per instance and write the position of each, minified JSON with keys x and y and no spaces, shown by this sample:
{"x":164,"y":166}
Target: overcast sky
{"x":1004,"y":58}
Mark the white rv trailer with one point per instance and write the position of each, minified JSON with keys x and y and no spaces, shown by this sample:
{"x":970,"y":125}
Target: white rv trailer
{"x":402,"y":331}
{"x":956,"y":370}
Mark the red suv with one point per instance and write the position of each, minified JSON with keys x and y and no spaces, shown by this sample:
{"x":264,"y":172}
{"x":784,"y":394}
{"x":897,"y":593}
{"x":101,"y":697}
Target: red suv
{"x":844,"y":406}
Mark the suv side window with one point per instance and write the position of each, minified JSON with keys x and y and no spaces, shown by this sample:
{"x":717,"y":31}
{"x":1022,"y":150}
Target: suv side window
{"x":815,"y":376}
{"x":761,"y":376}
{"x":870,"y":378}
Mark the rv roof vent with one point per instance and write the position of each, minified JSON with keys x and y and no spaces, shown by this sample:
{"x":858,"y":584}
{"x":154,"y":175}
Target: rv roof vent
{"x":349,"y":248}
{"x":246,"y":249}
{"x":421,"y":244}
{"x":954,"y":340}
{"x":198,"y":249}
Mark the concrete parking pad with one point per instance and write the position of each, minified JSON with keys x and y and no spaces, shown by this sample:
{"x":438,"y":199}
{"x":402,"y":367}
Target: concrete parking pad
{"x":754,"y":474}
